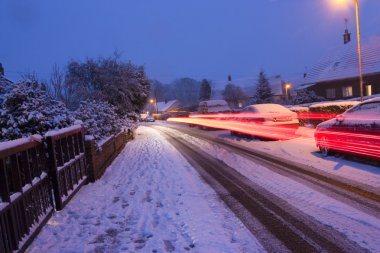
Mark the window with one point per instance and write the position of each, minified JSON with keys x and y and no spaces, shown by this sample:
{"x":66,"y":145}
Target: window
{"x":347,"y":91}
{"x":368,"y":90}
{"x":330,"y":93}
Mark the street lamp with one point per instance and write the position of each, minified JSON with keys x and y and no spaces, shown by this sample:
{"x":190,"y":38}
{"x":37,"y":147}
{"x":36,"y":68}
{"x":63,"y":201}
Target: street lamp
{"x":359,"y":49}
{"x":287,"y":87}
{"x":155,"y":104}
{"x":356,"y":2}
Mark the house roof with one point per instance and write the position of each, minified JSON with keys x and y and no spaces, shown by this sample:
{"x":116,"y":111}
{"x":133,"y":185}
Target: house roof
{"x":170,"y":105}
{"x":248,"y":85}
{"x":342,"y":63}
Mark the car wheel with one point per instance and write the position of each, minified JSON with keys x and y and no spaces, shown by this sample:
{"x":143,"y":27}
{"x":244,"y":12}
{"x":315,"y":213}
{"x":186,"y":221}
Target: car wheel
{"x":324,"y":148}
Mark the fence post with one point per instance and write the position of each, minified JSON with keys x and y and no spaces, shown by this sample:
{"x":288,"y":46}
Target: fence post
{"x":53,"y":173}
{"x":90,"y":149}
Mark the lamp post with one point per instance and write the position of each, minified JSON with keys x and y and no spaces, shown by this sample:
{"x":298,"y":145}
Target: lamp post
{"x":360,"y":62}
{"x":359,"y":49}
{"x":287,"y":87}
{"x":154,"y":101}
{"x":151,"y":101}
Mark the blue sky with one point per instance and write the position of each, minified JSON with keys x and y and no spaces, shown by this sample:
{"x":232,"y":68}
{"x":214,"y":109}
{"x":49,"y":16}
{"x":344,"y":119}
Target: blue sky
{"x":178,"y":38}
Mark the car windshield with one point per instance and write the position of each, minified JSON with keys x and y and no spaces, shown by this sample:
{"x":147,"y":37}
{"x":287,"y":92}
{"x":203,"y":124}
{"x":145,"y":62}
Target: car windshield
{"x":368,"y":108}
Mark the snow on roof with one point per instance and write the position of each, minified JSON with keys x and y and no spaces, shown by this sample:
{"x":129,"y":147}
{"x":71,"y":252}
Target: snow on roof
{"x":163,"y":107}
{"x":342,"y":62}
{"x":210,"y":103}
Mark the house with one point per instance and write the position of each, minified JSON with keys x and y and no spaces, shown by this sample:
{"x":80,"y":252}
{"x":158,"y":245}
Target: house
{"x":336,"y":75}
{"x":276,"y":82}
{"x":168,"y":106}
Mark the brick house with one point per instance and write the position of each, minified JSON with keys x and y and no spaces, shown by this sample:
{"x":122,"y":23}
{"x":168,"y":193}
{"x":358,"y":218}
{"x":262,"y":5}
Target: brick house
{"x":336,"y":76}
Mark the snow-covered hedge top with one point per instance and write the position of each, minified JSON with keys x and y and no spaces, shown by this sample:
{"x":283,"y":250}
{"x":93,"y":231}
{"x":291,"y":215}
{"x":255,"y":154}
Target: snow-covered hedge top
{"x":100,"y":119}
{"x":299,"y":109}
{"x":27,"y":109}
{"x":335,"y":103}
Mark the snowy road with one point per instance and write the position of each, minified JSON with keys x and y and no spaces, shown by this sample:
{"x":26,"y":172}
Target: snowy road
{"x":149,"y":200}
{"x":342,"y":224}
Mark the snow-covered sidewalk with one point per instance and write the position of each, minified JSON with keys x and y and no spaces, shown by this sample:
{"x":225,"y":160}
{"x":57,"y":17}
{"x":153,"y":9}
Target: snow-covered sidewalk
{"x":149,"y":200}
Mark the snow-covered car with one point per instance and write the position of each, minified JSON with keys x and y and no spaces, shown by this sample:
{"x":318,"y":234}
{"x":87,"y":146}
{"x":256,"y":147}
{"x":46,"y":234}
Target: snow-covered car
{"x":356,"y":131}
{"x":149,"y":118}
{"x":211,"y":108}
{"x":269,"y":121}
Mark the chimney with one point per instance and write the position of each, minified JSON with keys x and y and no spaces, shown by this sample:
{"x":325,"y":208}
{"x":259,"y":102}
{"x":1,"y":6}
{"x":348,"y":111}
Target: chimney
{"x":229,"y":78}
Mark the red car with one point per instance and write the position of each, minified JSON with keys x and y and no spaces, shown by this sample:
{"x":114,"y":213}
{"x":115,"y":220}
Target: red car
{"x":356,"y":131}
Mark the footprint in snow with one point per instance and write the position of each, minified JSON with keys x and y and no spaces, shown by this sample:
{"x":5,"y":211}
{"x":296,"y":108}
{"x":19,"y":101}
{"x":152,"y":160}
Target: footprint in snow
{"x":168,"y":246}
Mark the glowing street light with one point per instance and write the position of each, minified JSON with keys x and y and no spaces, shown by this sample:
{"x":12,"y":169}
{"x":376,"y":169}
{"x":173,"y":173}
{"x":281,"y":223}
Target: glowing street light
{"x":356,"y":2}
{"x":287,"y":87}
{"x":154,"y":101}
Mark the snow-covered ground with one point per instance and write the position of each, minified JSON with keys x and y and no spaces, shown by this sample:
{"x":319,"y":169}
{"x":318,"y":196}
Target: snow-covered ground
{"x":357,"y":226}
{"x":149,"y":200}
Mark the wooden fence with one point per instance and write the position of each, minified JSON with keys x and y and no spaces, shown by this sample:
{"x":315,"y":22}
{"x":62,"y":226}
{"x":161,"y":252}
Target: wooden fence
{"x":99,"y":157}
{"x":38,"y":176}
{"x":25,"y":190}
{"x":66,"y":162}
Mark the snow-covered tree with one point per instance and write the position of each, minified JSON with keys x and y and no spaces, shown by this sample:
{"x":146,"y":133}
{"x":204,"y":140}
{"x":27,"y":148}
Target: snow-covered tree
{"x":306,"y":96}
{"x":263,"y":92}
{"x":205,"y":90}
{"x":99,"y":118}
{"x":233,"y":95}
{"x":27,"y":109}
{"x":123,"y":85}
{"x":186,"y":90}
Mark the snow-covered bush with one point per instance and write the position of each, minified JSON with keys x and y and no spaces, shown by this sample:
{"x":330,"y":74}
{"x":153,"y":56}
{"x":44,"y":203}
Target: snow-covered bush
{"x":27,"y":109}
{"x":331,"y":109}
{"x":306,"y":96}
{"x":300,"y":110}
{"x":100,"y":119}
